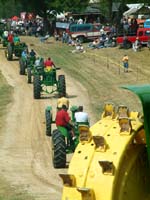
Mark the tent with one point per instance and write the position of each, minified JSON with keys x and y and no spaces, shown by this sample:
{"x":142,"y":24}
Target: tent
{"x":15,"y":18}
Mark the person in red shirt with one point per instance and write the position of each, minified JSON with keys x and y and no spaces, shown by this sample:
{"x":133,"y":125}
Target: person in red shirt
{"x":49,"y":63}
{"x":10,"y":38}
{"x":63,"y":119}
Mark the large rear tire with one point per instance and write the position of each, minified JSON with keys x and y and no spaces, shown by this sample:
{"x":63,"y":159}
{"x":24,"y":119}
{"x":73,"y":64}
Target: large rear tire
{"x":22,"y":66}
{"x":61,"y":85}
{"x":132,"y":180}
{"x":37,"y":87}
{"x":29,"y":75}
{"x":9,"y":52}
{"x":48,"y":117}
{"x":58,"y":150}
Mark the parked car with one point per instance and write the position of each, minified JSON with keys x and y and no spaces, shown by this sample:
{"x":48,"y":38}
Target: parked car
{"x":84,"y":32}
{"x":143,"y":35}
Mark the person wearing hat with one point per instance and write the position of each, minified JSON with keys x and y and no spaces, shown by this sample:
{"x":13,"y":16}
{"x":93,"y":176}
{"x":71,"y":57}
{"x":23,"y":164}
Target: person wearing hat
{"x":80,"y":116}
{"x":63,"y":119}
{"x":136,"y":45}
{"x":16,"y":39}
{"x":125,"y":61}
{"x":62,"y":101}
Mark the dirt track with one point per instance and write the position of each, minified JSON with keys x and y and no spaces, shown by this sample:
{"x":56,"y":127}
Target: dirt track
{"x":25,"y":153}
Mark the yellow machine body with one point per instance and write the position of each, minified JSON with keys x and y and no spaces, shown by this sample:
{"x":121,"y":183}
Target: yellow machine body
{"x":110,"y":162}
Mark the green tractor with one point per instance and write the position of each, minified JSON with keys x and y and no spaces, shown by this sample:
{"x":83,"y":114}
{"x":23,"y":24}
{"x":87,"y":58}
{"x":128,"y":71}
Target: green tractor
{"x":61,"y":139}
{"x":4,"y":41}
{"x":2,"y":28}
{"x":15,"y":50}
{"x":33,"y":69}
{"x":46,"y":81}
{"x":25,"y":64}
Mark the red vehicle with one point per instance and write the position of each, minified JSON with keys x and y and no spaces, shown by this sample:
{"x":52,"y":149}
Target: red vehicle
{"x":142,"y":33}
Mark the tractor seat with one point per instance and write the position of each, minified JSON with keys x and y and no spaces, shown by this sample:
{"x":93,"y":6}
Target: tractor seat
{"x":109,"y":110}
{"x":82,"y":123}
{"x":16,"y":43}
{"x":123,"y":111}
{"x":48,"y":69}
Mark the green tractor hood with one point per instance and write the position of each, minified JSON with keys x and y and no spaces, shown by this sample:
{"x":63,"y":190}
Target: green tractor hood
{"x":143,"y":92}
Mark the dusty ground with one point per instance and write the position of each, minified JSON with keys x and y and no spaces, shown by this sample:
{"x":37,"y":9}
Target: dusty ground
{"x":25,"y":153}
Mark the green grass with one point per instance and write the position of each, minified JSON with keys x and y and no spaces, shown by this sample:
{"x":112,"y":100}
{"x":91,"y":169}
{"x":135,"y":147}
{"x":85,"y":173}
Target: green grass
{"x":100,"y":71}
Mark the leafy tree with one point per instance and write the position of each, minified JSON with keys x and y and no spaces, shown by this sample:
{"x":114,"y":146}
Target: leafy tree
{"x":8,"y":8}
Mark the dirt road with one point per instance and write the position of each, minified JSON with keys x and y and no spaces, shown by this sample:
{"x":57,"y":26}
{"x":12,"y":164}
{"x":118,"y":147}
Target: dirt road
{"x":25,"y":153}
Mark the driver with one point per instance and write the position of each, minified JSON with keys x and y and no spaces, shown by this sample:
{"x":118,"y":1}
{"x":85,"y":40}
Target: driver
{"x":62,"y":101}
{"x":48,"y":64}
{"x":80,"y":116}
{"x":63,"y":119}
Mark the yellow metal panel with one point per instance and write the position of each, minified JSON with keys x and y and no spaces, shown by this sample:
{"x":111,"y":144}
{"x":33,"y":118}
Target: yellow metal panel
{"x":85,"y":164}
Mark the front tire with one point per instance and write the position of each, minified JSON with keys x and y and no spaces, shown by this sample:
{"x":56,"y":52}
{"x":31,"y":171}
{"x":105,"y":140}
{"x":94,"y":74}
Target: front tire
{"x":22,"y":66}
{"x":61,"y":85}
{"x":58,"y":150}
{"x":48,"y":117}
{"x":9,"y":52}
{"x":29,"y":75}
{"x":37,"y":87}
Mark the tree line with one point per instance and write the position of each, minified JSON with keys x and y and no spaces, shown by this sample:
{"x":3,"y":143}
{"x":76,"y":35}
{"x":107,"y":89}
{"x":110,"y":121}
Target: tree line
{"x":9,"y":8}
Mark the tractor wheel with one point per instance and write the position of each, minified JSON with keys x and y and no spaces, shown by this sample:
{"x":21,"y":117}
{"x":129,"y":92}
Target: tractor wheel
{"x":29,"y":75}
{"x":37,"y":87}
{"x":48,"y":116}
{"x":130,"y":175}
{"x":58,"y":150}
{"x":81,"y":39}
{"x":61,"y":85}
{"x":22,"y":67}
{"x":9,"y":52}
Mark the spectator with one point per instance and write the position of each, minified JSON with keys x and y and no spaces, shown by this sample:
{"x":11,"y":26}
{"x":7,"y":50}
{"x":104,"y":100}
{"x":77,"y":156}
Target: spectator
{"x":94,"y":44}
{"x":126,"y":43}
{"x":148,"y":43}
{"x":125,"y":61}
{"x":63,"y":37}
{"x":79,"y":49}
{"x":80,"y":21}
{"x":81,"y":116}
{"x":136,"y":45}
{"x":43,"y":39}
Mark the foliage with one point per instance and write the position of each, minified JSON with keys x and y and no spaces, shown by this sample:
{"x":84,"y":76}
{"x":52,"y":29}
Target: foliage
{"x":8,"y":8}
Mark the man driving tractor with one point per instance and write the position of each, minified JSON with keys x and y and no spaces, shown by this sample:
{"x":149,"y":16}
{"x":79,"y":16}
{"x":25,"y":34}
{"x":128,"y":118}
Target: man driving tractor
{"x":63,"y":119}
{"x":48,"y":64}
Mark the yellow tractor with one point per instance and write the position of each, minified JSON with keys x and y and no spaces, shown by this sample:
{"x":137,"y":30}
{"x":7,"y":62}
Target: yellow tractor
{"x":112,"y":159}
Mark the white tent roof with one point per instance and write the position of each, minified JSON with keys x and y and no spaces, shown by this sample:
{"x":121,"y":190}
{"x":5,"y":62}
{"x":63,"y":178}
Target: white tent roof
{"x":133,"y":8}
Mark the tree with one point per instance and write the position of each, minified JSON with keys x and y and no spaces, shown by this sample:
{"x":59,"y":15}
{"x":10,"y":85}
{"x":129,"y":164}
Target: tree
{"x":41,"y":7}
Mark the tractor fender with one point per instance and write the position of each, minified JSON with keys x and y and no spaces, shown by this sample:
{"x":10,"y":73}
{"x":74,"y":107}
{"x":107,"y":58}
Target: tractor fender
{"x":63,"y":131}
{"x":49,"y":108}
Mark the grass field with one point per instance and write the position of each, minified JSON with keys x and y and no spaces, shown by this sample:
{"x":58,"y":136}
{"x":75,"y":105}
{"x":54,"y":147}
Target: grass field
{"x":100,"y":71}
